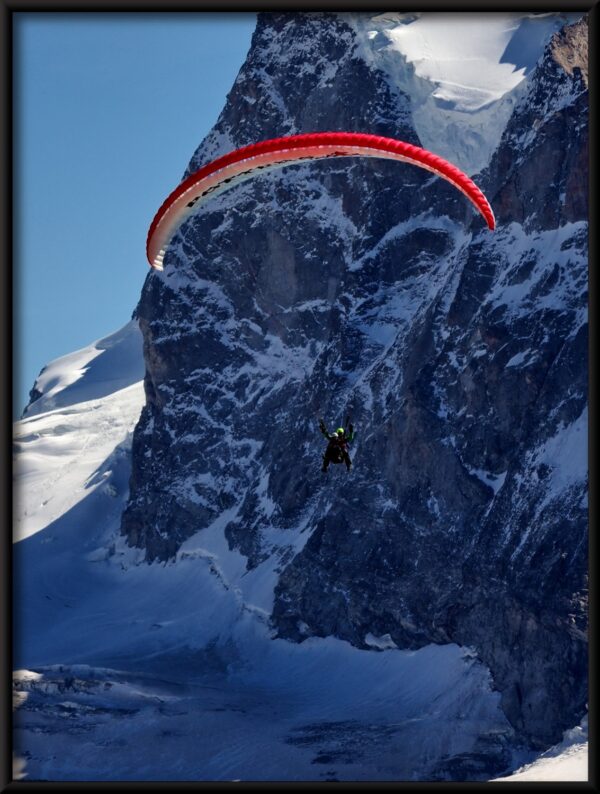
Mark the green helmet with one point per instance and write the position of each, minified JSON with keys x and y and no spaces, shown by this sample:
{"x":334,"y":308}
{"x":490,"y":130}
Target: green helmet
{"x":340,"y":431}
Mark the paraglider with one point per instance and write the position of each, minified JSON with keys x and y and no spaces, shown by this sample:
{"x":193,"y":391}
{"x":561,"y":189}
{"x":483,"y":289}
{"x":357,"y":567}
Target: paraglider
{"x":241,"y":164}
{"x":337,"y":449}
{"x":230,"y":169}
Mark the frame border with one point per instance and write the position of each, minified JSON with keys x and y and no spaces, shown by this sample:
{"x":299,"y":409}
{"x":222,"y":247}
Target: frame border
{"x":9,"y":356}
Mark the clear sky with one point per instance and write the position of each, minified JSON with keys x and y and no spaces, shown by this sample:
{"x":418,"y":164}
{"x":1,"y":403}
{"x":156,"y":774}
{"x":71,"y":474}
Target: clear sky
{"x":109,"y":109}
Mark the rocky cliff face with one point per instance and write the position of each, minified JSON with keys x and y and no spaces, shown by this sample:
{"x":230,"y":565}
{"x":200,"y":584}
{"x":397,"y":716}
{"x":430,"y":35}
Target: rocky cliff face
{"x":371,"y":289}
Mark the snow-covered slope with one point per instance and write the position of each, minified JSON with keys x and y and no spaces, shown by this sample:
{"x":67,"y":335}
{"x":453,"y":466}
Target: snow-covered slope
{"x":86,"y":405}
{"x":463,"y":72}
{"x":565,"y":761}
{"x":109,"y":364}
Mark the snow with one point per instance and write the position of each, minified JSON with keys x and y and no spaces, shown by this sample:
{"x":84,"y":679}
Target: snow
{"x":565,"y":455}
{"x":285,"y":711}
{"x":109,"y":364}
{"x":494,"y":481}
{"x":522,"y":359}
{"x":383,"y":643}
{"x":463,"y":72}
{"x":555,"y":276}
{"x":463,"y":54}
{"x":63,"y":454}
{"x":565,"y":761}
{"x":556,"y":470}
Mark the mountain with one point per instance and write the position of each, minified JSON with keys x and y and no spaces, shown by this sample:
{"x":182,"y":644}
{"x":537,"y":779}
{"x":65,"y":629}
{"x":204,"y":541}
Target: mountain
{"x":118,"y":658}
{"x":456,"y":550}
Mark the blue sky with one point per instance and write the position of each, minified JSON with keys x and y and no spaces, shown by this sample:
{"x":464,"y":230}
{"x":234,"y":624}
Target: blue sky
{"x":109,"y":108}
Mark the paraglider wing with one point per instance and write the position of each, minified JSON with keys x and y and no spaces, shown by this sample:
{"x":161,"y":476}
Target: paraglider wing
{"x":241,"y":164}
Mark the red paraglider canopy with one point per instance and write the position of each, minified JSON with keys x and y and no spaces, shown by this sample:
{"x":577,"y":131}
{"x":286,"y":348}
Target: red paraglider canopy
{"x":241,"y":164}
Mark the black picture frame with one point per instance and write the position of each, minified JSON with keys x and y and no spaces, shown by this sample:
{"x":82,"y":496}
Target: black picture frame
{"x":9,"y":355}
